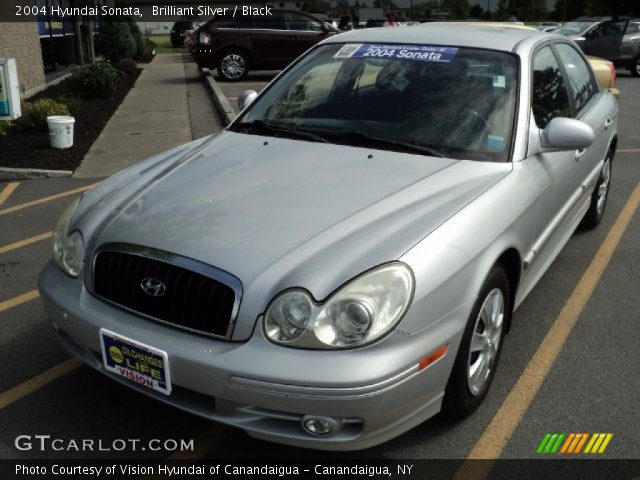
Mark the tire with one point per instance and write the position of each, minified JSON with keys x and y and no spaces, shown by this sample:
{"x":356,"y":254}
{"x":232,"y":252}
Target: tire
{"x":233,"y":66}
{"x":635,"y":67}
{"x":599,"y":196}
{"x":465,"y":391}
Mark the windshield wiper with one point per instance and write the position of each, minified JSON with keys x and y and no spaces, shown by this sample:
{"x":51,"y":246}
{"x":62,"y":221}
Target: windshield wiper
{"x":407,"y":145}
{"x":264,"y":127}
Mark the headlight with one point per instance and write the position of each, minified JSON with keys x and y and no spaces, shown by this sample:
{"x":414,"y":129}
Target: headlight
{"x":359,"y":313}
{"x":68,"y":250}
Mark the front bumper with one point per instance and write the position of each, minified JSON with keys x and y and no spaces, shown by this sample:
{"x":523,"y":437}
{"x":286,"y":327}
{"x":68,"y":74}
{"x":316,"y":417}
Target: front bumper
{"x":374,"y":393}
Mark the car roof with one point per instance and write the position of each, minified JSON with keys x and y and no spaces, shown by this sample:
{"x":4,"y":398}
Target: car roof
{"x":503,"y":38}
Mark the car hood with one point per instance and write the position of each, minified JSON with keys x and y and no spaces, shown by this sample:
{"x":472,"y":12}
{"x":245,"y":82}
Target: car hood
{"x":278,"y":213}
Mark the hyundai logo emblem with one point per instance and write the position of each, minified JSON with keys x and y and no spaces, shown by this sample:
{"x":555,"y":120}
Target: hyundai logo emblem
{"x":153,"y":287}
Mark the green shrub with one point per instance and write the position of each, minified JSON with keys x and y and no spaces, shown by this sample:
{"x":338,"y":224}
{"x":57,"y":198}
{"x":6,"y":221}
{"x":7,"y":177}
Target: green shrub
{"x":72,"y":102}
{"x":128,"y":66}
{"x":137,"y":38}
{"x":5,"y":126}
{"x":34,"y":114}
{"x":115,"y":40}
{"x":148,"y":51}
{"x":97,"y":79}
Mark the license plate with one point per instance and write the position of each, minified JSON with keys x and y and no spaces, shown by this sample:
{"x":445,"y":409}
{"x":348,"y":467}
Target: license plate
{"x":135,"y":361}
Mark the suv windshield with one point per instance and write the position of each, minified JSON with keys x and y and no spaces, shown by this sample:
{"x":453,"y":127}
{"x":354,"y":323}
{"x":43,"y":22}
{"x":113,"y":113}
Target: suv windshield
{"x":443,"y":101}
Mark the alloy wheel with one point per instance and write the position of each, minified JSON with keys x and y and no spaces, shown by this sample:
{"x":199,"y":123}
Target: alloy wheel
{"x":233,"y":66}
{"x":485,"y":341}
{"x":603,"y":187}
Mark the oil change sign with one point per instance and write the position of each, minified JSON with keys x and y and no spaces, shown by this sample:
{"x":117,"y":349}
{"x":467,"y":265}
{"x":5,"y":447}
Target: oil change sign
{"x":420,"y":53}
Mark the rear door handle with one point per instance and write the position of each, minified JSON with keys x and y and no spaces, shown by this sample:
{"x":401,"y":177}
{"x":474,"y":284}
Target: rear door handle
{"x":608,"y":122}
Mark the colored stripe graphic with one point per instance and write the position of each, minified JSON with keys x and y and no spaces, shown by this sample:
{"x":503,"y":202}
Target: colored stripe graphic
{"x":572,"y":443}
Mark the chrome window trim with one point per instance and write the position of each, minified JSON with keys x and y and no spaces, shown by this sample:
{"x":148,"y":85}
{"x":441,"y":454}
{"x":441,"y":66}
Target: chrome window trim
{"x":179,"y":261}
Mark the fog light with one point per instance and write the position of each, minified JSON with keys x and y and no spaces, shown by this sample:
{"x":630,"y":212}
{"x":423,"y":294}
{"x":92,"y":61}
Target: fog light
{"x":318,"y":425}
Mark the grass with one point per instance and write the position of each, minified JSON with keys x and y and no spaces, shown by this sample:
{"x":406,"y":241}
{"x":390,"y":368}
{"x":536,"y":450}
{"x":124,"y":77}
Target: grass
{"x":163,"y":43}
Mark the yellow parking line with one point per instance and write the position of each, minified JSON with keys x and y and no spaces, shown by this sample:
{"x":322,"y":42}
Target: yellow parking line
{"x":7,"y":191}
{"x":510,"y":413}
{"x":25,"y":242}
{"x":46,"y":199}
{"x":37,"y":382}
{"x":14,"y":302}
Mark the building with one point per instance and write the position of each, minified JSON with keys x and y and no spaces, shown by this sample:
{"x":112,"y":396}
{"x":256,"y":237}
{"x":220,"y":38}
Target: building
{"x":46,"y":48}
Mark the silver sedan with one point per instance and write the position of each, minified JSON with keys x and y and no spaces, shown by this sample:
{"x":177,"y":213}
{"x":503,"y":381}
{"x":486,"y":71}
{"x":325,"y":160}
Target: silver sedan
{"x":344,"y":260}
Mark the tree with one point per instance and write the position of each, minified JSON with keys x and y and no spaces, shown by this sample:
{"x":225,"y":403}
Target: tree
{"x":502,"y":11}
{"x":459,"y":9}
{"x":476,"y":11}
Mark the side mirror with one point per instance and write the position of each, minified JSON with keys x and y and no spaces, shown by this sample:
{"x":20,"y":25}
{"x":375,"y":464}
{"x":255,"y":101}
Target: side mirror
{"x":246,"y":98}
{"x":567,"y":134}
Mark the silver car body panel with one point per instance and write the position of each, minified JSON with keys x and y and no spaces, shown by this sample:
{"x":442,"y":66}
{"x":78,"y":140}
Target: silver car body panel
{"x":279,"y":213}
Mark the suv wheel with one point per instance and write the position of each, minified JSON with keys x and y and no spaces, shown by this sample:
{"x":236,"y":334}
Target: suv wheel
{"x":233,"y":66}
{"x":635,"y":67}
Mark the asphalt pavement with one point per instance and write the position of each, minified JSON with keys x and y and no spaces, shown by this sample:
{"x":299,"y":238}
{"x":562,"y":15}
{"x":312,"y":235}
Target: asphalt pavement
{"x":592,"y":385}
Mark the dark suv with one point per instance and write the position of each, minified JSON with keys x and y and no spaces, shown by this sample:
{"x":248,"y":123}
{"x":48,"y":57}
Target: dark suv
{"x":235,"y":45}
{"x":615,"y":38}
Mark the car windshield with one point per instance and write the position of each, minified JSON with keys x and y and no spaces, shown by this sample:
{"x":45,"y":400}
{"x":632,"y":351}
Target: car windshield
{"x":573,"y":28}
{"x":443,"y":101}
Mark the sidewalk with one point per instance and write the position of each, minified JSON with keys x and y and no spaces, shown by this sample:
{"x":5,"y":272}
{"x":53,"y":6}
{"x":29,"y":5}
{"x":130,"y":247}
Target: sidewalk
{"x":154,"y":117}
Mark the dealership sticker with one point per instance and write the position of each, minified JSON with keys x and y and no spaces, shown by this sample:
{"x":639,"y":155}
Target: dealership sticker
{"x":420,"y":53}
{"x":499,"y":81}
{"x":495,"y":142}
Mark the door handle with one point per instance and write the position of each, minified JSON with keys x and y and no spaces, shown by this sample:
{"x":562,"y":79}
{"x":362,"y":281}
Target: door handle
{"x":580,"y":153}
{"x":608,"y":122}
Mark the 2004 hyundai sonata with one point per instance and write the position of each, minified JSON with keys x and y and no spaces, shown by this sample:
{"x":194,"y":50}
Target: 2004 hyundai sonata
{"x":343,"y":261}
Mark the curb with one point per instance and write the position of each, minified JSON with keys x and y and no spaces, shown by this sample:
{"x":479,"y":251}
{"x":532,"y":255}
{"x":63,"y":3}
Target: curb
{"x":29,"y":173}
{"x":221,"y":102}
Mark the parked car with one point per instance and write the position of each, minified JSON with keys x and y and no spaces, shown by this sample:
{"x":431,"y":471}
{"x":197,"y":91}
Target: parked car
{"x":615,"y":38}
{"x":178,"y":32}
{"x":343,"y":261}
{"x":236,"y":45}
{"x":547,"y":26}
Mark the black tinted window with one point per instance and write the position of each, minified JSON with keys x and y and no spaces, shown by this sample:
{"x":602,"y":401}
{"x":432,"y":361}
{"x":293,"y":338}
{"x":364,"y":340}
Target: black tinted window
{"x":275,"y":21}
{"x":239,"y":21}
{"x":550,"y":97}
{"x":295,"y":21}
{"x":579,"y":75}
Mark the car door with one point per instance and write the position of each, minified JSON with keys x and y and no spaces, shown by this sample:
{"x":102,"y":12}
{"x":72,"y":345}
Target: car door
{"x":555,"y":173}
{"x":270,"y":38}
{"x":605,"y":40}
{"x":304,"y":33}
{"x":587,"y":106}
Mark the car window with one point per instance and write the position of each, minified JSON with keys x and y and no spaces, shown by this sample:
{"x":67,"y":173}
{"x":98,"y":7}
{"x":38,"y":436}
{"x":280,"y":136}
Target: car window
{"x":460,"y":101}
{"x":608,"y":29}
{"x":275,"y":21}
{"x":581,"y":82}
{"x":295,"y":21}
{"x":549,"y":96}
{"x":239,"y":21}
{"x":632,"y":28}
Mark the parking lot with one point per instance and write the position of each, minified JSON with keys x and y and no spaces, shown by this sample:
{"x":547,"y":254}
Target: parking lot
{"x":588,"y":383}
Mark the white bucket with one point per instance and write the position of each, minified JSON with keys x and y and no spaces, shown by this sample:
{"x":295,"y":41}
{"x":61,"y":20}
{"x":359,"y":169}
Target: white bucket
{"x":61,"y":131}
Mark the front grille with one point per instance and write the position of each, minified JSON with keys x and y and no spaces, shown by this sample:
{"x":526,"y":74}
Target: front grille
{"x":190,"y":299}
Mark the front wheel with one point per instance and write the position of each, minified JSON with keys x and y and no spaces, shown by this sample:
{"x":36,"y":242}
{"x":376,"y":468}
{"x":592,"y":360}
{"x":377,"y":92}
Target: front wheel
{"x":480,"y":348}
{"x":599,"y":197}
{"x":635,"y":67}
{"x":233,"y":66}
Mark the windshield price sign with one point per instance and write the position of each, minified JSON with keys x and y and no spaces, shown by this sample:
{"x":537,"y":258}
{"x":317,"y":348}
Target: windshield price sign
{"x":422,"y":53}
